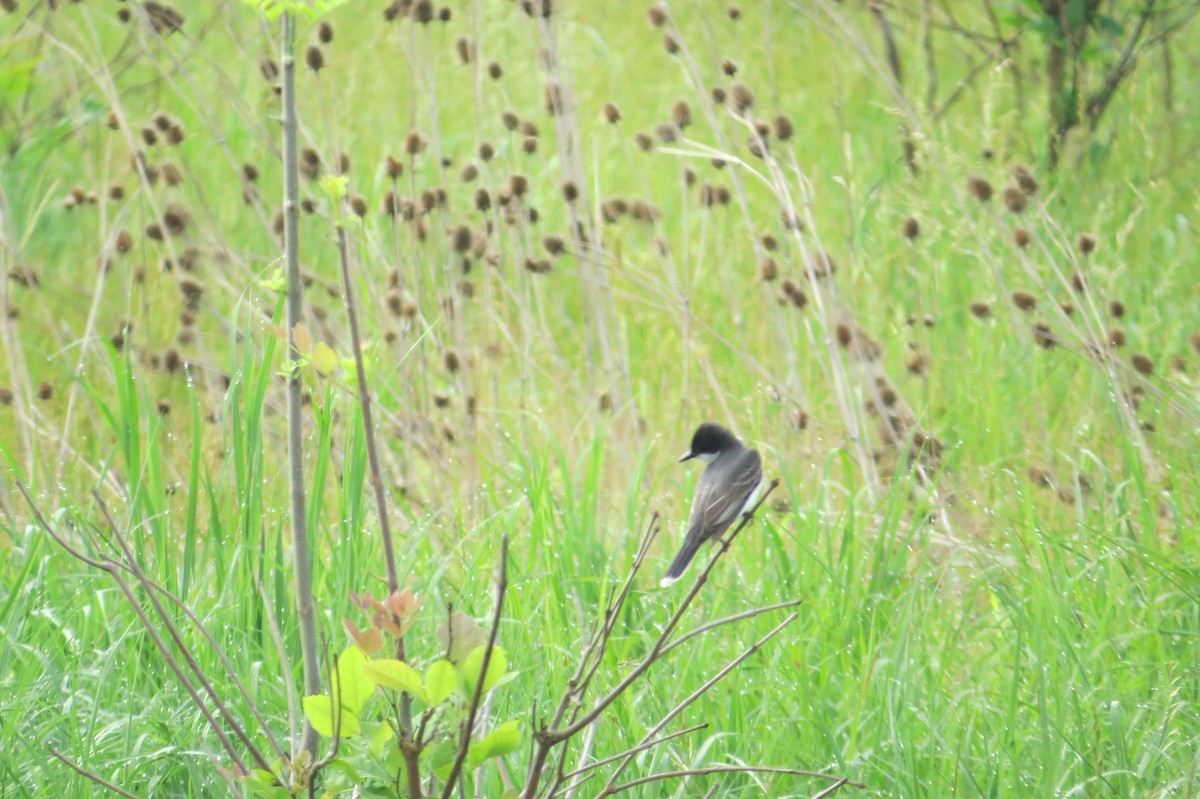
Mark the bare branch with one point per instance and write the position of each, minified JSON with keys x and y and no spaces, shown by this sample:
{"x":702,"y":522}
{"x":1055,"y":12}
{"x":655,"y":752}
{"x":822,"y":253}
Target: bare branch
{"x":1098,"y":102}
{"x":749,"y":614}
{"x":699,"y":772}
{"x":832,"y":789}
{"x":96,"y":778}
{"x":548,"y":738}
{"x":699,"y":692}
{"x":635,"y":750}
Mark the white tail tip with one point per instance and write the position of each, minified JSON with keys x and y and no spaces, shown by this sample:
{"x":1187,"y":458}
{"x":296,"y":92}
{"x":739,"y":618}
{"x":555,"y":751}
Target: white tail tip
{"x":666,"y":581}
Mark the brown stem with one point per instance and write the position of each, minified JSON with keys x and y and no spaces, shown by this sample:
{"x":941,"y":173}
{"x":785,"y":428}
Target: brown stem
{"x":697,"y":772}
{"x":305,"y":605}
{"x":548,"y":738}
{"x":96,"y":778}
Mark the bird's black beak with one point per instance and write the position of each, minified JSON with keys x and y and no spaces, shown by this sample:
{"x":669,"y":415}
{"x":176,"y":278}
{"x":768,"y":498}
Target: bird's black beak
{"x":687,"y":456}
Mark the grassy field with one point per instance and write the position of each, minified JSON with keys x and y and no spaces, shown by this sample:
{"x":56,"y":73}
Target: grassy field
{"x":987,"y":451}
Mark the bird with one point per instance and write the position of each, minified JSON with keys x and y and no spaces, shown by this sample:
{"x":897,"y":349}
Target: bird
{"x":729,"y":487}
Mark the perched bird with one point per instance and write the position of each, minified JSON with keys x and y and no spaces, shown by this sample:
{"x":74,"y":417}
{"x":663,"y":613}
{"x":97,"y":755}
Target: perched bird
{"x":729,"y":487}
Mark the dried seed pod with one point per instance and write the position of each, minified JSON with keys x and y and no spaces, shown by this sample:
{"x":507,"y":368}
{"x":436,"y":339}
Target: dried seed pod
{"x":1014,"y":199}
{"x":1141,"y":363}
{"x":768,"y":269}
{"x":1025,"y":180}
{"x":1087,"y":243}
{"x":981,"y":310}
{"x":414,"y":143}
{"x":1044,"y":336}
{"x":1024,"y":300}
{"x":681,"y":114}
{"x":314,"y":58}
{"x":612,"y":114}
{"x":911,"y":228}
{"x":979,"y":187}
{"x":743,"y":98}
{"x":783,"y":127}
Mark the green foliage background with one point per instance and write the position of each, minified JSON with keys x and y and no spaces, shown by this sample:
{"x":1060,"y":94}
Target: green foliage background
{"x":1037,"y":640}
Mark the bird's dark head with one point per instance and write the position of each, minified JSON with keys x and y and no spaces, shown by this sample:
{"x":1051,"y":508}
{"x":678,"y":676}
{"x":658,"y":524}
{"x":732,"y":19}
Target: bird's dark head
{"x":709,"y":441}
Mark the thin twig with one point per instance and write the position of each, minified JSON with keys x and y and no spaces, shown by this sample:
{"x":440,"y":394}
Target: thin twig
{"x":642,"y":747}
{"x":548,"y":738}
{"x":748,"y":614}
{"x":699,"y":772}
{"x":96,"y":778}
{"x":1098,"y":102}
{"x":699,"y":692}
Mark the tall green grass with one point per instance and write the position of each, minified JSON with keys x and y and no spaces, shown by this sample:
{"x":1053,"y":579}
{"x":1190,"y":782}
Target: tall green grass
{"x":1003,"y":639}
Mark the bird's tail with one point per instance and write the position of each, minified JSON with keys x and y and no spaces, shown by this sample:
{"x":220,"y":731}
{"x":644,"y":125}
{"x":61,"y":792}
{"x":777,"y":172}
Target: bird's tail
{"x":691,"y":545}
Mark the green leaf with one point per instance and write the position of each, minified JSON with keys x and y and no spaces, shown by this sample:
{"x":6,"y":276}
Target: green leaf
{"x":440,"y":681}
{"x":318,"y":709}
{"x":471,"y":667}
{"x":324,"y":359}
{"x":459,"y":635}
{"x":1109,"y":26}
{"x":277,"y":282}
{"x":380,"y":738}
{"x":334,"y":186}
{"x":441,"y":758}
{"x":350,"y":681}
{"x":397,"y":674}
{"x":503,"y":740}
{"x":1077,"y":13}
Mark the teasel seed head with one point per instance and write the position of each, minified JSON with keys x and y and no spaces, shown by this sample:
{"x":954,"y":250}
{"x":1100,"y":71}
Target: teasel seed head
{"x":1067,"y":307}
{"x":1141,"y":363}
{"x":1116,"y":308}
{"x":123,"y":242}
{"x":529,"y":145}
{"x":718,"y":95}
{"x":1116,"y":337}
{"x":768,"y":268}
{"x":1024,"y":300}
{"x":1025,"y":180}
{"x":911,"y":228}
{"x":979,"y":187}
{"x":981,"y":310}
{"x":324,"y":32}
{"x":149,"y":136}
{"x":483,"y":200}
{"x":1014,"y":199}
{"x":45,"y":391}
{"x":670,"y":44}
{"x":783,"y":127}
{"x":1044,"y":336}
{"x":422,"y":12}
{"x":570,"y":191}
{"x":643,"y":141}
{"x":743,"y":98}
{"x":486,"y":151}
{"x":729,"y":67}
{"x":681,"y":114}
{"x":1087,"y":243}
{"x":657,"y":15}
{"x":414,"y":143}
{"x":612,"y":114}
{"x":314,"y":58}
{"x":465,"y":50}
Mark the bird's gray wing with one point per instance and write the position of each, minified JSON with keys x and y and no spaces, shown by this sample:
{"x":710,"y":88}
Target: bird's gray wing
{"x":717,"y":504}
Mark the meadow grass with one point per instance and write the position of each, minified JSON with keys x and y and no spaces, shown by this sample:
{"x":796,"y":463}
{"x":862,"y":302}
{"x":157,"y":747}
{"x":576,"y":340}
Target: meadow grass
{"x":1013,"y":610}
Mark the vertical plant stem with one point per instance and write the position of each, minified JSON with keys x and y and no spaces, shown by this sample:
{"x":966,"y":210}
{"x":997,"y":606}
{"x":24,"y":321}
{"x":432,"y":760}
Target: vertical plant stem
{"x":295,"y":300}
